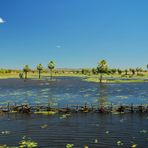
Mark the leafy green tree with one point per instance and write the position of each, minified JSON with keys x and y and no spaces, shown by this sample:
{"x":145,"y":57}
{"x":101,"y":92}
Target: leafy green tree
{"x":85,"y":71}
{"x":133,"y":71}
{"x":94,"y":71}
{"x":26,"y":69}
{"x":113,"y":71}
{"x":119,"y":71}
{"x":40,"y":69}
{"x":51,"y":66}
{"x":126,"y":72}
{"x":102,"y":69}
{"x":138,"y":70}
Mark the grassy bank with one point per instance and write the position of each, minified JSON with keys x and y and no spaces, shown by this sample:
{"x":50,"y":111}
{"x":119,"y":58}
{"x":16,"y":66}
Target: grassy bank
{"x":96,"y":79}
{"x":90,"y":78}
{"x":35,"y":75}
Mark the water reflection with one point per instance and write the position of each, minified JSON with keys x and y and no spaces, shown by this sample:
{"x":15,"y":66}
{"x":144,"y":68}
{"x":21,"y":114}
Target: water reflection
{"x":71,"y":91}
{"x":103,"y":94}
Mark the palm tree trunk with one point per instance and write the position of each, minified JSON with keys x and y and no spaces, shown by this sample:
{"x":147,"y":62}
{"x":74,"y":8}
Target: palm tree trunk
{"x":39,"y":74}
{"x":25,"y":75}
{"x":51,"y":74}
{"x":101,"y":78}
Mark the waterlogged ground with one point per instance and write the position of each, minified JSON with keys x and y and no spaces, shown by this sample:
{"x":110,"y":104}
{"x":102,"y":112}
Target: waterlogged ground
{"x":82,"y":129}
{"x":72,"y":91}
{"x":94,"y":130}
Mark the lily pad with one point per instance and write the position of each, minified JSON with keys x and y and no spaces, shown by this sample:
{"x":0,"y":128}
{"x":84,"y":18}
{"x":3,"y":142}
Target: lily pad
{"x":96,"y":141}
{"x":107,"y":132}
{"x":134,"y":145}
{"x":44,"y":126}
{"x":119,"y":143}
{"x":69,"y":145}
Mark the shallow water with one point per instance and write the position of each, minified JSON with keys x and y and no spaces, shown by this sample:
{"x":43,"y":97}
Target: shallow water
{"x":72,"y":91}
{"x":95,"y":130}
{"x":78,"y":129}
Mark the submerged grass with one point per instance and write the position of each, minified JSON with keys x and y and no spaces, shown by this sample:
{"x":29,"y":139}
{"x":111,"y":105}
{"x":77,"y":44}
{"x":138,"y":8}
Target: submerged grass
{"x":115,"y":78}
{"x":45,"y":112}
{"x":96,"y":79}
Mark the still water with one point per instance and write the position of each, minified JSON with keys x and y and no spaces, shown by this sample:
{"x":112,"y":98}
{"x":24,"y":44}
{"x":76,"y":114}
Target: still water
{"x":92,"y":129}
{"x":72,"y":91}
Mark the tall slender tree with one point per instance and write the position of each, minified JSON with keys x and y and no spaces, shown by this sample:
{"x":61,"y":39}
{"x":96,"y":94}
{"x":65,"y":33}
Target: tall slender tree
{"x":26,"y":69}
{"x":40,"y":69}
{"x":132,"y":71}
{"x":102,"y":69}
{"x":138,"y":70}
{"x":119,"y":71}
{"x":126,"y":72}
{"x":51,"y":66}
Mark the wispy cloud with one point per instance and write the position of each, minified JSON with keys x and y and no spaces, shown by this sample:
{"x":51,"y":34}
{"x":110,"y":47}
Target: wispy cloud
{"x":1,"y":20}
{"x":58,"y":46}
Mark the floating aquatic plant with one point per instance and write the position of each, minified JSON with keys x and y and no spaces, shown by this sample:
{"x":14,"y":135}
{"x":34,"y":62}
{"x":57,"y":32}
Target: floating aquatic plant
{"x":25,"y":143}
{"x":28,"y":144}
{"x":69,"y":145}
{"x":96,"y":141}
{"x":86,"y":146}
{"x":65,"y":116}
{"x":44,"y":126}
{"x":5,"y":132}
{"x":107,"y":132}
{"x":119,"y":143}
{"x":45,"y":112}
{"x":134,"y":145}
{"x":143,"y":131}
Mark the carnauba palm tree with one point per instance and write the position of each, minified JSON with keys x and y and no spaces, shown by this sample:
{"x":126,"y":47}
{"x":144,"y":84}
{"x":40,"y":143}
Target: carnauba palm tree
{"x":26,"y":69}
{"x":102,"y":69}
{"x":51,"y":66}
{"x":40,"y":69}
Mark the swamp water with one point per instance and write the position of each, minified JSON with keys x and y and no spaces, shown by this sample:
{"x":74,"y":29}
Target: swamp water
{"x":92,"y":129}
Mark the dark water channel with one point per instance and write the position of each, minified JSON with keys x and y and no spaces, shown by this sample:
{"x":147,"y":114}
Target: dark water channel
{"x":94,"y":130}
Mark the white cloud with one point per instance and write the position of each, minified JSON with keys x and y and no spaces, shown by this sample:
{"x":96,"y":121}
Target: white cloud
{"x":58,"y":46}
{"x":1,"y":21}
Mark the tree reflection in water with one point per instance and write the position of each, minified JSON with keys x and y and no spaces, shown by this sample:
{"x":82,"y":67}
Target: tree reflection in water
{"x":103,"y":88}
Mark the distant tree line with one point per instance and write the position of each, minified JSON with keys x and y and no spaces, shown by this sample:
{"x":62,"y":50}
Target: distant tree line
{"x":39,"y":68}
{"x":101,"y":69}
{"x":5,"y":71}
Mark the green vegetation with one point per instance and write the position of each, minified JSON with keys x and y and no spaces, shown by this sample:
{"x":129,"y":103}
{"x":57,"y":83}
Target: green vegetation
{"x":26,"y":69}
{"x":102,"y":73}
{"x":102,"y":69}
{"x":28,"y":144}
{"x":117,"y":79}
{"x":24,"y":143}
{"x":69,"y":145}
{"x":45,"y":112}
{"x":51,"y":66}
{"x":40,"y":69}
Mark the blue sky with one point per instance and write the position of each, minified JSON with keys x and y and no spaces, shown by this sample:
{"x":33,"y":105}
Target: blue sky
{"x":74,"y":33}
